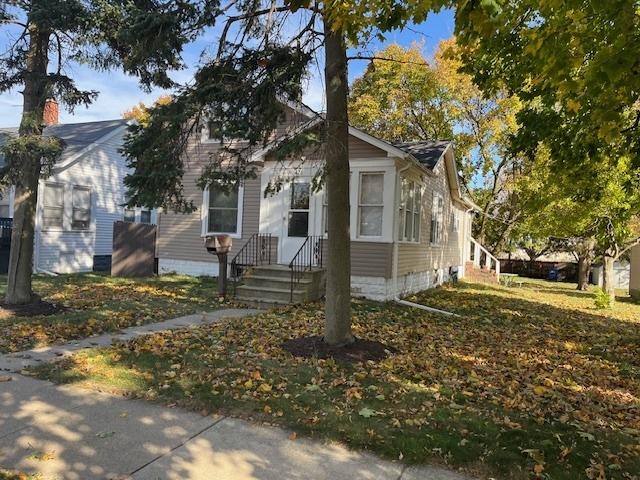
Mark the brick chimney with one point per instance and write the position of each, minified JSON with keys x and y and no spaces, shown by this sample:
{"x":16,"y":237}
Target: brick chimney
{"x":50,"y":113}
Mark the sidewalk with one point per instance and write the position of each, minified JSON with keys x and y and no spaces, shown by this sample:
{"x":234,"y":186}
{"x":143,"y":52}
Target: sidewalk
{"x":65,"y":432}
{"x":14,"y":362}
{"x":68,"y":433}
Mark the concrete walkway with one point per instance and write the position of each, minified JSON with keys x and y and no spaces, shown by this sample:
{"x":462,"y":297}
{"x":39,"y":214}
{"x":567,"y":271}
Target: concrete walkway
{"x":65,"y":432}
{"x":15,"y":362}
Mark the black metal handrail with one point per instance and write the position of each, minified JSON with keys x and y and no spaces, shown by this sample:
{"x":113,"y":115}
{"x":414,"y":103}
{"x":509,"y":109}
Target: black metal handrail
{"x":309,"y":255}
{"x":257,"y":251}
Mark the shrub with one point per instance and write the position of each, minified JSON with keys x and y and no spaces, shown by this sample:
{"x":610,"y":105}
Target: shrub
{"x":602,"y":299}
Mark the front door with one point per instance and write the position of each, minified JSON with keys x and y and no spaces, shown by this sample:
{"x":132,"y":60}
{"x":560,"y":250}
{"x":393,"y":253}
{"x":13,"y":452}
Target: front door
{"x":297,"y":218}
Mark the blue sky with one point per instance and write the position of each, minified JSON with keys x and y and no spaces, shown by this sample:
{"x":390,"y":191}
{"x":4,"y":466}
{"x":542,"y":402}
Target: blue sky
{"x":119,"y":92}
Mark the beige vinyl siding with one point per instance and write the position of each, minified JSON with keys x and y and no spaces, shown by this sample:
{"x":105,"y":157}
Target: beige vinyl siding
{"x":369,"y":259}
{"x":423,"y":256}
{"x":180,"y":235}
{"x":361,"y":149}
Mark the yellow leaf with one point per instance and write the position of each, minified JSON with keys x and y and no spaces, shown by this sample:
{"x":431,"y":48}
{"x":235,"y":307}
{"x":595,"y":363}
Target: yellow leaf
{"x":264,"y":388}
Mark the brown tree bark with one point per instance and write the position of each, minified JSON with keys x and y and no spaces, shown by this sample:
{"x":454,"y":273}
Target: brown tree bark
{"x":584,"y":271}
{"x":338,"y":291}
{"x":608,"y":277}
{"x":19,"y":288}
{"x":585,"y":250}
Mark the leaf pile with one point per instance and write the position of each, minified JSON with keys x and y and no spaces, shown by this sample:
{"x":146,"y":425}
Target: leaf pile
{"x":99,"y":303}
{"x":527,"y":383}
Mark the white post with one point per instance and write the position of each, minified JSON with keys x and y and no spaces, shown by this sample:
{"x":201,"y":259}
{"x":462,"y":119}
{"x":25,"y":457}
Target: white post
{"x":476,"y":254}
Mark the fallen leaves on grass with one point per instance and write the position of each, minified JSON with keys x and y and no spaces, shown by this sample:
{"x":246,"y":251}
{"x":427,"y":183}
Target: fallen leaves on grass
{"x":98,"y":304}
{"x":525,"y":379}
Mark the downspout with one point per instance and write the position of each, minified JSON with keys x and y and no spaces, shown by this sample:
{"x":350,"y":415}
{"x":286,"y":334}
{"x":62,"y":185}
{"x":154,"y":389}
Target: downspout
{"x":396,"y":240}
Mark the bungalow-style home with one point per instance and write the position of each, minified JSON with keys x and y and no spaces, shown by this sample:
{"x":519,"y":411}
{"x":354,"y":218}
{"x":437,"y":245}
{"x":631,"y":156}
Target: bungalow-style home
{"x":410,"y":224}
{"x":80,"y":201}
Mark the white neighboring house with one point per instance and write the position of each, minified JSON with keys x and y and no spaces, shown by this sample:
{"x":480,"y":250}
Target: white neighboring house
{"x":621,"y":275}
{"x":80,"y":201}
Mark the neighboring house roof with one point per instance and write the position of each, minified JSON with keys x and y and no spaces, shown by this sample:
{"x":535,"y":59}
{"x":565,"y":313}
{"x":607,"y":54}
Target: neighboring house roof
{"x":427,"y":153}
{"x":79,"y":138}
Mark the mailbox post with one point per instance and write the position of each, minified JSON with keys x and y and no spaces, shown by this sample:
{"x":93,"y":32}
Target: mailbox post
{"x":220,"y":246}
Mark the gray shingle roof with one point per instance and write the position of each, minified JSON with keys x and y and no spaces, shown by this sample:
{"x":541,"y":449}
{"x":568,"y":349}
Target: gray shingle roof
{"x":76,"y":136}
{"x":427,"y":153}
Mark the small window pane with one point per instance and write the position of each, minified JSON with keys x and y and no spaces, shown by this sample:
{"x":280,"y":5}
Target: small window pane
{"x":81,"y":198}
{"x":408,"y":225}
{"x":81,"y":218}
{"x":371,"y":189}
{"x":371,"y":221}
{"x":81,"y":207}
{"x":52,"y":217}
{"x":299,"y":196}
{"x":223,"y":221}
{"x":130,"y":215}
{"x":53,"y":195}
{"x":298,"y":224}
{"x":220,"y":199}
{"x":145,"y":216}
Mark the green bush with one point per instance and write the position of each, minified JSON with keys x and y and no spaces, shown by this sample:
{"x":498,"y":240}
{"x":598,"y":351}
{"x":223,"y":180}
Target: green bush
{"x":602,"y":299}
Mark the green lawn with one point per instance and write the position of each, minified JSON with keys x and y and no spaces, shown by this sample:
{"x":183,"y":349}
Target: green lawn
{"x":99,"y":303}
{"x":529,"y":382}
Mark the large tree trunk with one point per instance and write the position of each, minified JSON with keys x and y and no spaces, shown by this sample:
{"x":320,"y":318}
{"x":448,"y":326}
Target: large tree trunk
{"x":584,"y":270}
{"x":338,"y":292}
{"x":19,"y":288}
{"x":608,"y":277}
{"x":585,"y":250}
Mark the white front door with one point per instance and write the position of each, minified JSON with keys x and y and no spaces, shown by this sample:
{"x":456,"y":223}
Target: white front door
{"x":297,"y":217}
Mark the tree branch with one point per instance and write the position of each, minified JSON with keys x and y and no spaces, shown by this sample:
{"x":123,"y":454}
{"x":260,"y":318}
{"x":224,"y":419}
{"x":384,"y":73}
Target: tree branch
{"x":386,"y":59}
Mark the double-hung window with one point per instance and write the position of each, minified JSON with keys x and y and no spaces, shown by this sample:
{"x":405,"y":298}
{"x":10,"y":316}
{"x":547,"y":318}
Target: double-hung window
{"x":81,"y":208}
{"x":370,"y":204}
{"x":53,"y":206}
{"x":410,"y":211}
{"x":437,"y":218}
{"x":223,"y":209}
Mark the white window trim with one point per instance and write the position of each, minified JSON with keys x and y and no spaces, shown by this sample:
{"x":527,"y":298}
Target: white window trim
{"x":205,"y":214}
{"x":137,"y":215}
{"x":358,"y":205}
{"x":401,"y":219}
{"x":61,"y":228}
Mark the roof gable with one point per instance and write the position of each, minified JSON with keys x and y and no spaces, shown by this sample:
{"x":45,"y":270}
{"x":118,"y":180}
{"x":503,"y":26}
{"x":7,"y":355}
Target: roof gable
{"x":79,"y":138}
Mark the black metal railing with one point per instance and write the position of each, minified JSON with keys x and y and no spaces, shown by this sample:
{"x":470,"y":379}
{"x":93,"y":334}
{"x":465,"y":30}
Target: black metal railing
{"x":257,"y":251}
{"x":308,"y":256}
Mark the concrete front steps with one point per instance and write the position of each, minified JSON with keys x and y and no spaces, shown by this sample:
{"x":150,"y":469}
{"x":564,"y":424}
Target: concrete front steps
{"x":479,"y":274}
{"x":269,"y":285}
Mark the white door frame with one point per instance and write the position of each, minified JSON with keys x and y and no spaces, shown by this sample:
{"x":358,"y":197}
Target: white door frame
{"x":289,"y":246}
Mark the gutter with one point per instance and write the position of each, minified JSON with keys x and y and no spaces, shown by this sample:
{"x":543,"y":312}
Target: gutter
{"x":396,"y":239}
